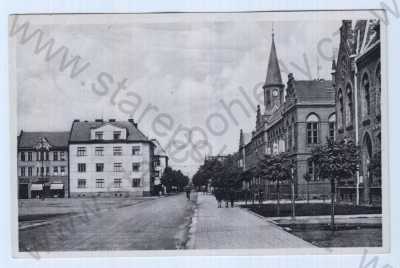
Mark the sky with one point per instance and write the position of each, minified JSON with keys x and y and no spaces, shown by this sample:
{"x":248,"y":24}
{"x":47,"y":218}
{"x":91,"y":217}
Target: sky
{"x":186,"y":69}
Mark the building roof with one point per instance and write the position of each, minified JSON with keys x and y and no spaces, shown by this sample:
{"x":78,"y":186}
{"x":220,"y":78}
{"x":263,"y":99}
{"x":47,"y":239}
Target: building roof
{"x":80,"y":131}
{"x":246,"y":138}
{"x":55,"y":139}
{"x":273,"y":71}
{"x":158,"y":150}
{"x":314,"y":91}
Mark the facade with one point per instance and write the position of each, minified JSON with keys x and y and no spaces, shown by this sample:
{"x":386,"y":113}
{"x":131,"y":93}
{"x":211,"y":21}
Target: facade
{"x":42,"y":164}
{"x":297,"y":117}
{"x":357,"y":80}
{"x":110,"y":158}
{"x":160,"y":161}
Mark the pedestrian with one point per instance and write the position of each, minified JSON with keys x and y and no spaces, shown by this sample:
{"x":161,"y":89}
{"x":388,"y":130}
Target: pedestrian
{"x":232,"y":197}
{"x":188,"y":194}
{"x":226,"y":197}
{"x":218,"y":195}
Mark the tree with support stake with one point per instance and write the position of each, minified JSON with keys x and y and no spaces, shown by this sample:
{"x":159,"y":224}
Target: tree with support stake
{"x":275,"y":168}
{"x":335,"y":161}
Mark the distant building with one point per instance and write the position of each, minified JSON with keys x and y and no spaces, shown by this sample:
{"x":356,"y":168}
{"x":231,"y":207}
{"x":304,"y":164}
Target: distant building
{"x":160,"y":161}
{"x":220,"y":158}
{"x":42,"y":164}
{"x":357,"y":81}
{"x":297,"y":117}
{"x":110,"y":158}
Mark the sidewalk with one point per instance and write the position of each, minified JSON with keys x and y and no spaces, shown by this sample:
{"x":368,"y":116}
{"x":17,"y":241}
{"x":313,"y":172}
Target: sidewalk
{"x":235,"y":228}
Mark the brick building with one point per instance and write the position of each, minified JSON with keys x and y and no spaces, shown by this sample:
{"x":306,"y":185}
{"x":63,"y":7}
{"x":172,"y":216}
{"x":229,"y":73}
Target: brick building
{"x":42,"y":164}
{"x":297,"y":117}
{"x":357,"y":81}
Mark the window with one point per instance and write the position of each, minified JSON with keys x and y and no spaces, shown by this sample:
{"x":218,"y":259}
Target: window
{"x":117,"y":183}
{"x":62,"y":156}
{"x":332,"y":123}
{"x":99,"y":167}
{"x":117,"y":135}
{"x":99,"y":183}
{"x":23,"y":171}
{"x":29,"y":156}
{"x":366,"y":91}
{"x":99,"y":151}
{"x":135,"y":150}
{"x":349,"y":109}
{"x":156,"y":162}
{"x":156,"y":173}
{"x":312,"y":129}
{"x":135,"y":183}
{"x":30,"y":171}
{"x":378,"y":89}
{"x":341,"y":109}
{"x":37,"y":171}
{"x":135,"y":167}
{"x":55,"y":156}
{"x":42,"y":171}
{"x":62,"y":170}
{"x":117,"y":150}
{"x":117,"y":167}
{"x":47,"y":171}
{"x":22,"y":156}
{"x":47,"y":156}
{"x":81,"y":151}
{"x":98,"y":135}
{"x":81,"y":167}
{"x":81,"y":183}
{"x":55,"y":170}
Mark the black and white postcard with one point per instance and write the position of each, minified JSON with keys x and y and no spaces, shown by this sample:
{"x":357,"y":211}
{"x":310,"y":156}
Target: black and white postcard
{"x":250,"y":133}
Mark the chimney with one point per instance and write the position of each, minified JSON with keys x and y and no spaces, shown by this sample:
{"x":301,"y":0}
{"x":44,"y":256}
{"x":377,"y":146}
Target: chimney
{"x":98,"y":120}
{"x":111,"y":120}
{"x":133,"y":122}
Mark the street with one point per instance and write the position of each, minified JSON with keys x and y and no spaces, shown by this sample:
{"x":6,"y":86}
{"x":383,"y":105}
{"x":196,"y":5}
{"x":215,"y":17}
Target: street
{"x":152,"y":224}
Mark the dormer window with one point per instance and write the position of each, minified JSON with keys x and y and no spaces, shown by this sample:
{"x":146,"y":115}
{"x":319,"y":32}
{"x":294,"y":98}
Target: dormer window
{"x":98,"y":135}
{"x":117,"y":135}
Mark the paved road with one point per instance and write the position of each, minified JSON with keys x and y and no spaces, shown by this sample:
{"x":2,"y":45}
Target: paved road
{"x":236,"y":228}
{"x":154,"y":224}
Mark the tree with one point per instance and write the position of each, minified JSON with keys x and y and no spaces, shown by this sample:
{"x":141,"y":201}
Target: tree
{"x":334,"y":161}
{"x":307,"y":178}
{"x":275,"y":168}
{"x":174,"y":178}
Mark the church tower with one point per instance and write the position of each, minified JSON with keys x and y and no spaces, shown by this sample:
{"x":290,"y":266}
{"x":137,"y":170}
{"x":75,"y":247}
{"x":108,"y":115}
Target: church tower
{"x":273,"y":86}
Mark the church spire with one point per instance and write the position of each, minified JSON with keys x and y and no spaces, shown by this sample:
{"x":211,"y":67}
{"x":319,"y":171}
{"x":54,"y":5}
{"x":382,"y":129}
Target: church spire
{"x":273,"y":72}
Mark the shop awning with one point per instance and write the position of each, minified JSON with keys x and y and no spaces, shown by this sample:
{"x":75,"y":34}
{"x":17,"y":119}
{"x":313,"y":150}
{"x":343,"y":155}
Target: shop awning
{"x":56,"y":186}
{"x":36,"y":187}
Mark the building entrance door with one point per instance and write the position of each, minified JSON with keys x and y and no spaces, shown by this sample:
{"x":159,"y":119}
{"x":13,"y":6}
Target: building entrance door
{"x":23,"y":189}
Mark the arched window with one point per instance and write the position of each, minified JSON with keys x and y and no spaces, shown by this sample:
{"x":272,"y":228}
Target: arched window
{"x":378,"y":88}
{"x":366,"y":154}
{"x":312,"y":122}
{"x":332,"y":126}
{"x":349,"y":106}
{"x":366,"y":95}
{"x":341,"y":109}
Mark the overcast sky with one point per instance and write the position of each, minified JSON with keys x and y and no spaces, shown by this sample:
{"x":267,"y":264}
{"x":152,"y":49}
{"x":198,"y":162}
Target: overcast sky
{"x":183,"y":68}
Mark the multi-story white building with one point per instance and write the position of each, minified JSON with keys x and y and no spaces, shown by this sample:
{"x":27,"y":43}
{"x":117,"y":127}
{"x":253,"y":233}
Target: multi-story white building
{"x":109,"y":158}
{"x":160,"y":161}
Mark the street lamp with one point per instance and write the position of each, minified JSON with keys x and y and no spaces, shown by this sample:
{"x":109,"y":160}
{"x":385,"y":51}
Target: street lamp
{"x":42,"y":146}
